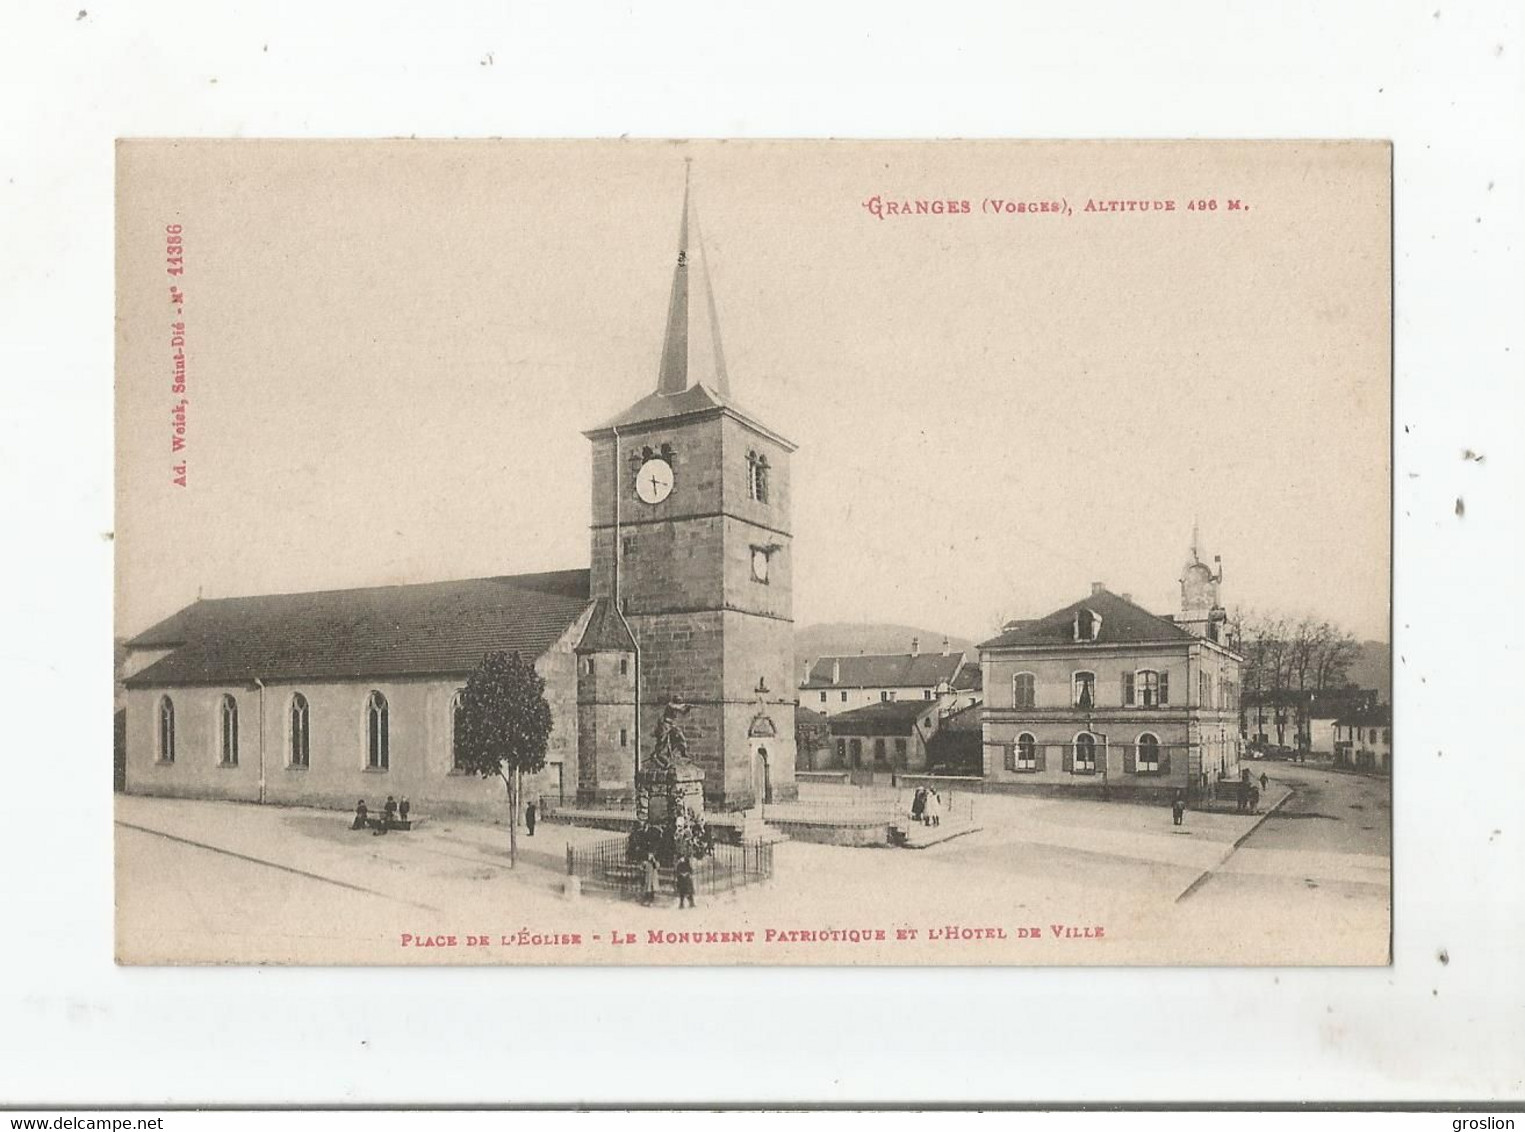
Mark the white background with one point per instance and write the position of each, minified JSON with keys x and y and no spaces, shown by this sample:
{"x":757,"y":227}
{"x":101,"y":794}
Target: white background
{"x":1443,"y":81}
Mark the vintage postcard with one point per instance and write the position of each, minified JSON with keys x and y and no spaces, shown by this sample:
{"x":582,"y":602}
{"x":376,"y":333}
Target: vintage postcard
{"x":753,"y":553}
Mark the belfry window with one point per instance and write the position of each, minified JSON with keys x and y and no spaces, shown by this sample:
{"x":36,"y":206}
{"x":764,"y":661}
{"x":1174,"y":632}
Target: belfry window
{"x":757,"y":477}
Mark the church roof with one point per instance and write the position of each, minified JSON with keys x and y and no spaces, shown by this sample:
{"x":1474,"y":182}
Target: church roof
{"x":606,"y":631}
{"x":434,"y":628}
{"x":895,"y":670}
{"x":691,"y":377}
{"x":1122,"y":622}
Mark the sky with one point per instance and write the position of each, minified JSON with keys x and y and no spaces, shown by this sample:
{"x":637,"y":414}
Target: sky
{"x":394,"y":347}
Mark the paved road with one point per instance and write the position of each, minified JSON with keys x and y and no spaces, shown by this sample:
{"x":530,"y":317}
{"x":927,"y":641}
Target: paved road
{"x":1317,"y":870}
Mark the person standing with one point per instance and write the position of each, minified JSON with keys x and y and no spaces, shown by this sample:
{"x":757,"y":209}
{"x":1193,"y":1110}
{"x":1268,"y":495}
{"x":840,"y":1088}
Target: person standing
{"x":389,"y":811}
{"x":919,"y":803}
{"x":530,"y":812}
{"x":362,"y":815}
{"x":934,"y":806}
{"x":1264,"y":781}
{"x":402,"y":809}
{"x":1178,"y":809}
{"x":685,"y":874}
{"x":649,"y":879}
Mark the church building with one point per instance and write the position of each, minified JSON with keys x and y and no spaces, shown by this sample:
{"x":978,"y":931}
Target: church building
{"x":320,"y":699}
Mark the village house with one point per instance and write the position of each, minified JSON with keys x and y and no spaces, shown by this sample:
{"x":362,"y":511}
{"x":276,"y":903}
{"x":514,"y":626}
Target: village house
{"x":1363,"y":739}
{"x":329,"y":697}
{"x":1104,"y":697}
{"x":835,"y":684}
{"x":888,"y":737}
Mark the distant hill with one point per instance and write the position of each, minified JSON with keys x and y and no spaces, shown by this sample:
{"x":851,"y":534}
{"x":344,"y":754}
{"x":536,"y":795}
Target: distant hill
{"x":840,"y":638}
{"x":1373,"y":668}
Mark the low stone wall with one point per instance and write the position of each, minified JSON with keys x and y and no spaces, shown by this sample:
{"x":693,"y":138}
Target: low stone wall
{"x":874,"y":831}
{"x":830,"y":777}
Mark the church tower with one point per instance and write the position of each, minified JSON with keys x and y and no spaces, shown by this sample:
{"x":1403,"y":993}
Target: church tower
{"x":692,"y":540}
{"x":1201,"y":611}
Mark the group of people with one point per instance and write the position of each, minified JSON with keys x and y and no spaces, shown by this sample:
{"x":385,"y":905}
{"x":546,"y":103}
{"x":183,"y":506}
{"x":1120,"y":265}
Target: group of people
{"x":392,"y":811}
{"x":683,"y":874}
{"x":927,"y":806}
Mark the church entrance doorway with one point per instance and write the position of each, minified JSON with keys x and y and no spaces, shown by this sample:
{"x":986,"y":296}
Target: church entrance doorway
{"x":762,"y":778}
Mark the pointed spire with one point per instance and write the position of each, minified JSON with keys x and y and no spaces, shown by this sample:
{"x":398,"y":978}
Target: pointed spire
{"x":691,"y":353}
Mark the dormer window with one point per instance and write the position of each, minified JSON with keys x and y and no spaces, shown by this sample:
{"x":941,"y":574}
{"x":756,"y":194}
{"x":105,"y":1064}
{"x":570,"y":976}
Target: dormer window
{"x":1087,"y":625}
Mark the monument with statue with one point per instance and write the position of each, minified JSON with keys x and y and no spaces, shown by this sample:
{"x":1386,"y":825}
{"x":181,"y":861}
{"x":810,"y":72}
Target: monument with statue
{"x":669,"y":797}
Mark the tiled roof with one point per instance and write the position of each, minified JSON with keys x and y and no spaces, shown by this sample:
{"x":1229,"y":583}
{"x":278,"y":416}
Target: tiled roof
{"x":965,"y":719}
{"x":435,"y":628}
{"x":607,"y":631}
{"x":970,"y":678}
{"x":897,"y":670}
{"x":1379,"y":716}
{"x":696,"y":399}
{"x":890,"y":717}
{"x":1122,"y":622}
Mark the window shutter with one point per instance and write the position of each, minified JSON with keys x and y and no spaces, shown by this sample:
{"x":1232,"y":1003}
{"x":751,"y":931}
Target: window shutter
{"x":1042,"y":761}
{"x":1164,"y":759}
{"x":1164,"y":687}
{"x":1069,"y":758}
{"x":1128,"y":689}
{"x":1130,"y":760}
{"x":1011,"y":757}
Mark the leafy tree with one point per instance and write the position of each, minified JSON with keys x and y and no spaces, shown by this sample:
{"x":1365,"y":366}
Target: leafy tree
{"x":503,"y":728}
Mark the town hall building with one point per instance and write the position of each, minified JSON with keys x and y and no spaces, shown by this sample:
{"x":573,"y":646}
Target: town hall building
{"x":1104,"y":697}
{"x":324,"y":698}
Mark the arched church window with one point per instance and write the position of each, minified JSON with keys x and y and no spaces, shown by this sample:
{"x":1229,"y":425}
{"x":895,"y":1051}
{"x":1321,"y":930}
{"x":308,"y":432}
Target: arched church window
{"x":229,"y":731}
{"x":456,"y":720}
{"x":166,"y":729}
{"x":377,"y":737}
{"x":299,"y":731}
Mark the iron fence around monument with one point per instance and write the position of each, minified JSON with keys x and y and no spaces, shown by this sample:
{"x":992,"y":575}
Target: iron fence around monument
{"x":605,"y":864}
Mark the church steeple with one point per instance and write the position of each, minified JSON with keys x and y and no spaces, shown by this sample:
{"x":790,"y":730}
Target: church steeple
{"x":691,"y":351}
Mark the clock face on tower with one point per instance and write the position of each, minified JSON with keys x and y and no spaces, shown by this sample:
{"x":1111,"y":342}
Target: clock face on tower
{"x":653,"y":483}
{"x":759,"y":564}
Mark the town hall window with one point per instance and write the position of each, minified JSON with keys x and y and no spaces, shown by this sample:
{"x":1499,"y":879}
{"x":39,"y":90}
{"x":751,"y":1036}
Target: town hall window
{"x":229,"y":745}
{"x":166,"y":730}
{"x":757,"y":477}
{"x":1148,"y":754}
{"x":1085,"y":753}
{"x":1085,"y":689}
{"x":1146,"y":688}
{"x":1027,"y":752}
{"x":377,"y":739}
{"x":1024,"y":690}
{"x":299,"y":747}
